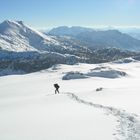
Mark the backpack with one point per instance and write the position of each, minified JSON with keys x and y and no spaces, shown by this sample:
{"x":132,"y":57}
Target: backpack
{"x":56,"y":85}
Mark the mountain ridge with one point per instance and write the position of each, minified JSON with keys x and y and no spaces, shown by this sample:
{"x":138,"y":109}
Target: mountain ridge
{"x":99,"y":38}
{"x":24,"y":49}
{"x":16,"y":36}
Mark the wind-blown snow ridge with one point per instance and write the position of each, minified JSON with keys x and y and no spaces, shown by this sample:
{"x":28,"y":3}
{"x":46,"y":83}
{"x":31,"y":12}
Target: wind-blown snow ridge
{"x":129,"y":125}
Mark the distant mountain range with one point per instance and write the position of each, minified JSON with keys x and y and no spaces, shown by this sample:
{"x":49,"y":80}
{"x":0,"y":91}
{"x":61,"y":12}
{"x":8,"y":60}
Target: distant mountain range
{"x":69,"y":31}
{"x":132,"y":31}
{"x":24,"y":49}
{"x":98,"y":39}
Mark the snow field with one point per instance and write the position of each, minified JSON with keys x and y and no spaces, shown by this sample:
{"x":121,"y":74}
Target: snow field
{"x":30,"y":110}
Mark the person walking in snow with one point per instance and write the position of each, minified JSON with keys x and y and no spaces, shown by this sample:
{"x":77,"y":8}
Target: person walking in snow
{"x":56,"y":88}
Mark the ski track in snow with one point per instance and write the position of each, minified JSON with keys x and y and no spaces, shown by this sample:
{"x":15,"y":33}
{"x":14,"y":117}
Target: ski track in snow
{"x":129,"y":124}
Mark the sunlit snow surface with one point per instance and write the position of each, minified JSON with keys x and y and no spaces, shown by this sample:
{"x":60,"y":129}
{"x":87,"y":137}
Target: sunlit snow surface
{"x":18,"y":37}
{"x":29,"y":109}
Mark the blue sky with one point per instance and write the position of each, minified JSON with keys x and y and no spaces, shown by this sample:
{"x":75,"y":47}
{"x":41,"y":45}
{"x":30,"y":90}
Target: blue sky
{"x":52,"y":13}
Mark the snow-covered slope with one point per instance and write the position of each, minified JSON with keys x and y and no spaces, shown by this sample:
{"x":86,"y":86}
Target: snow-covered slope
{"x":16,"y":36}
{"x":30,"y":110}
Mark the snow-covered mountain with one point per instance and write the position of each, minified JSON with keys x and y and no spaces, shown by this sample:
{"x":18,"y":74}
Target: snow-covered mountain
{"x":69,"y":31}
{"x":16,"y":36}
{"x":25,"y":50}
{"x":98,"y":38}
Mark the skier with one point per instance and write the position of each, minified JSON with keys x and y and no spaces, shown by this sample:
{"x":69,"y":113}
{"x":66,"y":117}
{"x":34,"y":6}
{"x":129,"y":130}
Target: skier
{"x":56,"y":88}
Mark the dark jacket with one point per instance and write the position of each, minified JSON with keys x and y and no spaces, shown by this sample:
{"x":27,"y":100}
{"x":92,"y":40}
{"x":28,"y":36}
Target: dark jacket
{"x":56,"y":86}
